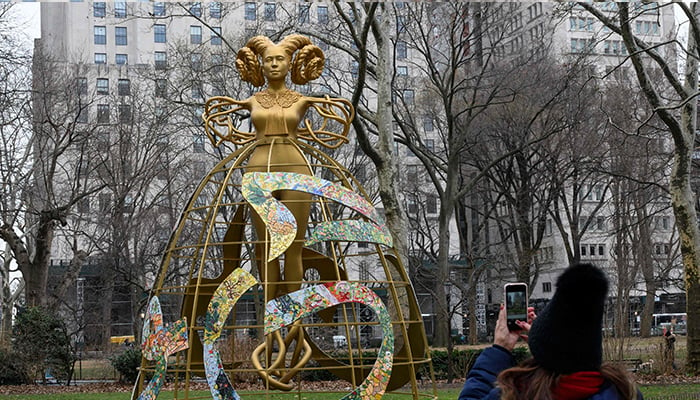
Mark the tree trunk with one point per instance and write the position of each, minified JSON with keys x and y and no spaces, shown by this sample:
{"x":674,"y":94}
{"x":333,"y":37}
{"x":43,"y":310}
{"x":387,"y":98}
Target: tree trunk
{"x":683,"y":200}
{"x":67,"y":280}
{"x":648,"y":309}
{"x":106,"y":298}
{"x":387,"y":170}
{"x":442,"y":276}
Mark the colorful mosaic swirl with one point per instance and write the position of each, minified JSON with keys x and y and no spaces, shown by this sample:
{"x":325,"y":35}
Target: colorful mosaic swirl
{"x":257,"y":188}
{"x":221,"y":304}
{"x":284,"y":310}
{"x":158,"y":343}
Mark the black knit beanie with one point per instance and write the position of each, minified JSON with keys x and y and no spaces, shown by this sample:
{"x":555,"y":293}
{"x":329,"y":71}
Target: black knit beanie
{"x":567,"y":335}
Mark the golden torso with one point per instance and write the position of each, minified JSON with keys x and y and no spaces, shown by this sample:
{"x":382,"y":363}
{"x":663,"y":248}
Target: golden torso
{"x":276,"y":116}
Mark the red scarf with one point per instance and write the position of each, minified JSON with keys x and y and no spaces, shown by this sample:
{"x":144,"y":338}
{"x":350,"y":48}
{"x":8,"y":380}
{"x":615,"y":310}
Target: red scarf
{"x":577,"y":386}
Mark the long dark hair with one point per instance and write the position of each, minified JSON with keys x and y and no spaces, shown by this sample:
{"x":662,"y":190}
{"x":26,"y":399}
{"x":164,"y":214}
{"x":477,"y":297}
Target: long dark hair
{"x":530,"y":381}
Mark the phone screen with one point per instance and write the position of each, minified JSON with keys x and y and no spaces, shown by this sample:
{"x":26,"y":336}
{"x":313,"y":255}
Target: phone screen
{"x":516,"y":303}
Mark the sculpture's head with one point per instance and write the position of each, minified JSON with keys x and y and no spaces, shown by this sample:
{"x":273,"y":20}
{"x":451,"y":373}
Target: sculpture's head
{"x":306,"y":66}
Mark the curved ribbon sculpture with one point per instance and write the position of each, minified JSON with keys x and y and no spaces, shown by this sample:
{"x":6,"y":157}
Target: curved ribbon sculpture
{"x":158,"y":344}
{"x":221,"y":304}
{"x":257,"y":188}
{"x":284,"y":310}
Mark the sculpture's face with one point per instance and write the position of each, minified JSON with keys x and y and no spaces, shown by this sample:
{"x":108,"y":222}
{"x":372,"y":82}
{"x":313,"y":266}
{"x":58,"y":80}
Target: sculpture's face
{"x":275,"y":63}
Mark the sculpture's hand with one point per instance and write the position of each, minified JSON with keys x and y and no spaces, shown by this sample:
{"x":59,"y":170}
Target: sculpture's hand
{"x":333,"y":111}
{"x":221,"y":118}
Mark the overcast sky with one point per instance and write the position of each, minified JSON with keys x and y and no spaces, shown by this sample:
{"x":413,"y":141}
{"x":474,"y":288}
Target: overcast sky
{"x":26,"y":17}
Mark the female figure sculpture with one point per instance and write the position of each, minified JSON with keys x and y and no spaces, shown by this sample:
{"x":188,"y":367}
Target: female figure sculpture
{"x":277,"y":113}
{"x":280,"y":153}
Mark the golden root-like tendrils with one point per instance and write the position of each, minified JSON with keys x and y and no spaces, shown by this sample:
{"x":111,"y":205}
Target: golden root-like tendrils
{"x":336,"y":109}
{"x":220,"y":121}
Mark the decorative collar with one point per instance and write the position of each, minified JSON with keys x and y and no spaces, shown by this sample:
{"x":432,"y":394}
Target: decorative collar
{"x":284,"y":98}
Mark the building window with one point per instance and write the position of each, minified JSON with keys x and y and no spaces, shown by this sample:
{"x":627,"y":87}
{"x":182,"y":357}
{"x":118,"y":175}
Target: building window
{"x":430,"y":144}
{"x":431,"y":204}
{"x":546,"y":287}
{"x":121,"y":59}
{"x":120,"y":9}
{"x":251,"y":11}
{"x":303,"y":17}
{"x":647,"y":27}
{"x":161,"y":59}
{"x":161,"y":88}
{"x":662,"y":223}
{"x":82,"y":116}
{"x":120,"y":36}
{"x":412,"y":173}
{"x":408,"y":96}
{"x":364,"y":266}
{"x":582,"y":45}
{"x":270,"y":11}
{"x":103,"y":113}
{"x":197,"y":116}
{"x":354,"y":69}
{"x":159,"y":33}
{"x":99,"y":9}
{"x":105,"y":202}
{"x":124,"y":114}
{"x":197,"y":91}
{"x":215,"y":9}
{"x":161,"y":114}
{"x":195,"y":34}
{"x":124,"y":87}
{"x":428,"y":123}
{"x":594,"y":193}
{"x":159,"y":9}
{"x":102,"y":86}
{"x":198,"y":142}
{"x":322,"y":14}
{"x":216,"y":35}
{"x":400,"y":23}
{"x":535,"y":10}
{"x":661,"y":249}
{"x":581,"y":24}
{"x":100,"y":35}
{"x":412,"y":207}
{"x":100,"y":58}
{"x":196,"y":9}
{"x":590,"y":251}
{"x":402,"y":70}
{"x":196,"y":61}
{"x":82,"y":86}
{"x":616,"y":47}
{"x":217,"y":63}
{"x":401,"y":50}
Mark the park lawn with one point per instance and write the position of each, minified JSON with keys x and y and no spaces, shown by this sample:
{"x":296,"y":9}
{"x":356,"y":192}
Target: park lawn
{"x":442,"y":394}
{"x":448,"y":394}
{"x":667,"y":390}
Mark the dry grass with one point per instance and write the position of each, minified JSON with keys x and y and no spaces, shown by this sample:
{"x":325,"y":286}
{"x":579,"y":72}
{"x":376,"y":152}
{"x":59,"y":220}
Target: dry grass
{"x":94,"y":368}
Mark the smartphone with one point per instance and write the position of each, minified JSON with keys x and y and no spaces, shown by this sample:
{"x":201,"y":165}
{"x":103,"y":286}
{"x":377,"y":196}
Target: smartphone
{"x":516,"y":304}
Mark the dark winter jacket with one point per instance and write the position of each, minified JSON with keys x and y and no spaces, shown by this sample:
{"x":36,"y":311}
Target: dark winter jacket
{"x":482,"y":377}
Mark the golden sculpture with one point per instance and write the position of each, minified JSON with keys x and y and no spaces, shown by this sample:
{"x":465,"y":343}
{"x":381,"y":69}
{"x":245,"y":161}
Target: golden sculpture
{"x":283,"y":121}
{"x":276,"y":113}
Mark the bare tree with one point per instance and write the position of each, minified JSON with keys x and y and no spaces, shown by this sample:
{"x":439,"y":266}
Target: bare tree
{"x":673,"y":100}
{"x":14,"y":158}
